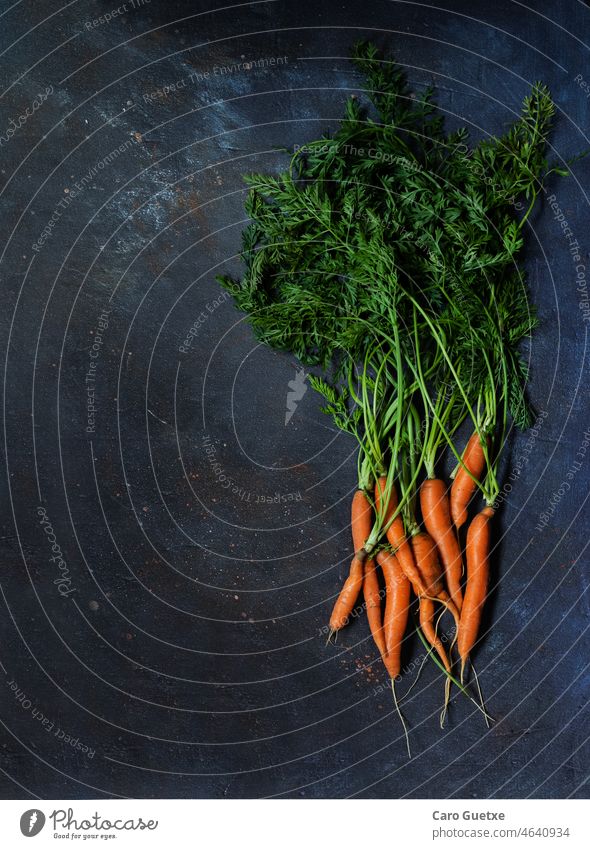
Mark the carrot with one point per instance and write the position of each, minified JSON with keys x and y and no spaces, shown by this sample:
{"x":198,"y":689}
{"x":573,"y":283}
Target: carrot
{"x":434,"y":503}
{"x":429,"y":631}
{"x":361,"y":519}
{"x":427,"y":562}
{"x":372,"y":597}
{"x":477,"y":550}
{"x":431,"y":572}
{"x":397,"y":608}
{"x":348,"y":596}
{"x":464,"y":486}
{"x":397,"y":538}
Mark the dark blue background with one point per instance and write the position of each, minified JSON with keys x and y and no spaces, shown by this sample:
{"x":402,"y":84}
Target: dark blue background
{"x":188,"y":655}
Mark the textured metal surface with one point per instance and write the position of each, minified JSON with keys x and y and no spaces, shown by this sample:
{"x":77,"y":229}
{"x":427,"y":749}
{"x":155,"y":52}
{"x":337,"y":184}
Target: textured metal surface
{"x":202,"y":537}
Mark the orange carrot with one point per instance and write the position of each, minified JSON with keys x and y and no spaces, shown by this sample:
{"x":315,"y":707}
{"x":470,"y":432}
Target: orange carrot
{"x":361,"y":519}
{"x":477,"y":551}
{"x":427,"y":562}
{"x":429,"y":630}
{"x":464,"y":486}
{"x":434,"y":503}
{"x":397,"y":608}
{"x":348,"y":596}
{"x":432,"y":575}
{"x":372,"y":597}
{"x":397,"y":538}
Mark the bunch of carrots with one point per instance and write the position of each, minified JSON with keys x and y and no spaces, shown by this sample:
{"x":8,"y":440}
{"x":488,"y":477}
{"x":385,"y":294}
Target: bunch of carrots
{"x":427,"y":562}
{"x":387,"y":255}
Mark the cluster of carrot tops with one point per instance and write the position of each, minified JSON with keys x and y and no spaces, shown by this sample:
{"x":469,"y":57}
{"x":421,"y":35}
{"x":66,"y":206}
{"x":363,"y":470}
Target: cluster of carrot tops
{"x":388,"y":256}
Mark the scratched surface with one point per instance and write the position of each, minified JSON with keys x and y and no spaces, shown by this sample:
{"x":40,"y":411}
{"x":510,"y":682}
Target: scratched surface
{"x":170,"y":545}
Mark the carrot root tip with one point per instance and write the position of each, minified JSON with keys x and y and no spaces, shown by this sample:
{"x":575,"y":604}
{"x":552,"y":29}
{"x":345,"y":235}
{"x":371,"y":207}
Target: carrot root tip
{"x":445,"y":709}
{"x":399,"y":713}
{"x":483,"y":707}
